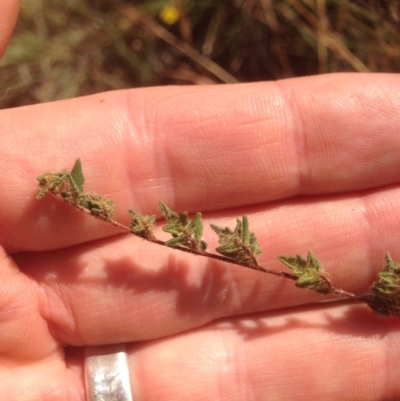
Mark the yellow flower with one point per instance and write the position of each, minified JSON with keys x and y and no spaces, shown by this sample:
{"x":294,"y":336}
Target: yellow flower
{"x":169,"y":15}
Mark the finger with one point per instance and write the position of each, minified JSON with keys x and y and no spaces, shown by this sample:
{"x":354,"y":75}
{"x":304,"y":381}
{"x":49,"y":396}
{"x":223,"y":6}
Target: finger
{"x":32,"y":364}
{"x":24,"y":333}
{"x":8,"y":18}
{"x":330,"y":354}
{"x":40,"y":380}
{"x":127,"y":289}
{"x":198,"y":148}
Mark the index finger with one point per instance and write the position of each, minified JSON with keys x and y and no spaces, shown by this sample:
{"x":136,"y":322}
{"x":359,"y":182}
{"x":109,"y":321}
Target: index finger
{"x":197,"y":148}
{"x":8,"y":18}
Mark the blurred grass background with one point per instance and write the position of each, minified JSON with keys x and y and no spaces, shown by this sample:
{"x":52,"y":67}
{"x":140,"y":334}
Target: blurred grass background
{"x":67,"y":48}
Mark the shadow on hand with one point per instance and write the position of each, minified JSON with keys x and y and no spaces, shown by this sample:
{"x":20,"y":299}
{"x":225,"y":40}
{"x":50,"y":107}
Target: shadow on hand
{"x":354,"y":319}
{"x":207,"y":294}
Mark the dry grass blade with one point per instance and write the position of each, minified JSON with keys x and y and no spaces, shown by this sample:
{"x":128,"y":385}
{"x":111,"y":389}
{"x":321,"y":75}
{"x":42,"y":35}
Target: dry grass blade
{"x":66,"y":49}
{"x":158,"y":30}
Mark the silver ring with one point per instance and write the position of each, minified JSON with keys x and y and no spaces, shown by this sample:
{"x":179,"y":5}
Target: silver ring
{"x":107,"y":373}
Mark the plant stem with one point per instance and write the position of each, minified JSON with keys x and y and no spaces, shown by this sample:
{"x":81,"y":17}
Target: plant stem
{"x":221,"y":258}
{"x":255,"y":266}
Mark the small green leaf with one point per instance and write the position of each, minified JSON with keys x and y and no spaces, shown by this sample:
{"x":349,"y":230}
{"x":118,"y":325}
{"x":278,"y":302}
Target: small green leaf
{"x":184,"y":232}
{"x":309,"y":272}
{"x":77,"y":175}
{"x":385,"y":292}
{"x":176,"y":227}
{"x":222,"y":232}
{"x":195,"y":227}
{"x":246,"y":235}
{"x":52,"y":182}
{"x":68,"y":185}
{"x":169,"y":215}
{"x":97,"y":205}
{"x":240,"y":244}
{"x":142,"y":225}
{"x":179,"y":240}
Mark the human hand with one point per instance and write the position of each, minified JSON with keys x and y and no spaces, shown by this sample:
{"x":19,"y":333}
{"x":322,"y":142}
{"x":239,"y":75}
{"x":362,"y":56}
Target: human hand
{"x":313,"y":162}
{"x":8,"y":18}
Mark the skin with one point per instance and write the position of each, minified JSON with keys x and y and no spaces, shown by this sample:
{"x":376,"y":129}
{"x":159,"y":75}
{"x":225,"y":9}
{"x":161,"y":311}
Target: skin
{"x":8,"y":18}
{"x":314,"y":163}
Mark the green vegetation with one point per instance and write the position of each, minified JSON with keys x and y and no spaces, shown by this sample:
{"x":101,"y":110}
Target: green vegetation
{"x":62,"y":49}
{"x":238,"y":246}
